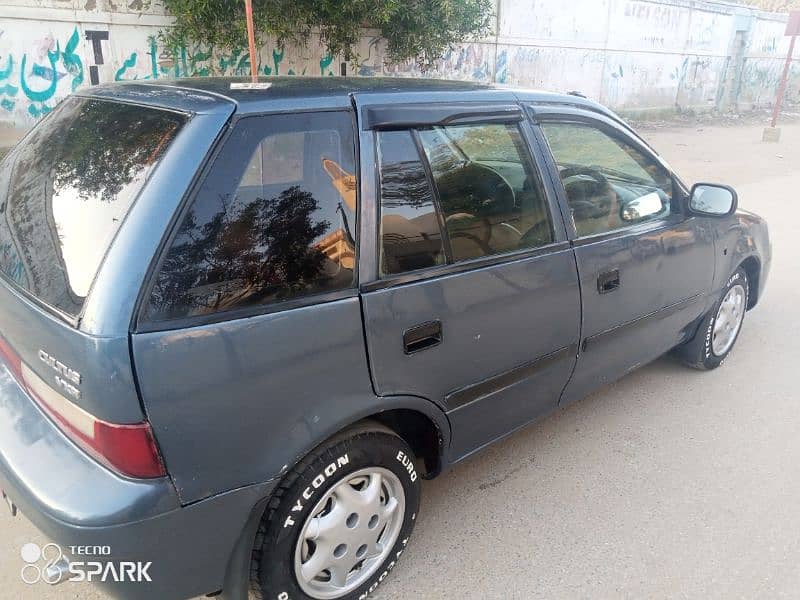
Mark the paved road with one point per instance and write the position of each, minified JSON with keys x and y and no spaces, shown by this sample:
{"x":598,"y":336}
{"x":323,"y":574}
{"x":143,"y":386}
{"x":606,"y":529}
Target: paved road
{"x":670,"y":483}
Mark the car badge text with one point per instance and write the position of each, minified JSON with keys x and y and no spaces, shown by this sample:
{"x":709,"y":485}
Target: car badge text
{"x":66,"y":378}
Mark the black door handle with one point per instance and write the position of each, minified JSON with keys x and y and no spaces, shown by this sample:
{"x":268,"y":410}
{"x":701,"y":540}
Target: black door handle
{"x":422,"y":336}
{"x":608,"y":281}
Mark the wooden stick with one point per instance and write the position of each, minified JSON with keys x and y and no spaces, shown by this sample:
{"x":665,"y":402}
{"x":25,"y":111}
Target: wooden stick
{"x":251,"y":39}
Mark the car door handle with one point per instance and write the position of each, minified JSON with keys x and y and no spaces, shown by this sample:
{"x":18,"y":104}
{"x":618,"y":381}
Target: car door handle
{"x":422,"y":336}
{"x":608,"y":281}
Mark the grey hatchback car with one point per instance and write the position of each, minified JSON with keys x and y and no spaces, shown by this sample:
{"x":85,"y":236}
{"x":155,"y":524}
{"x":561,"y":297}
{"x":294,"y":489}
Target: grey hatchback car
{"x":241,"y":323}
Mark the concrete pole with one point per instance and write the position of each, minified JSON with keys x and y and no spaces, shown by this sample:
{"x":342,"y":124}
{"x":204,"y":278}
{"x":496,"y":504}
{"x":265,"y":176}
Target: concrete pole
{"x":784,"y":81}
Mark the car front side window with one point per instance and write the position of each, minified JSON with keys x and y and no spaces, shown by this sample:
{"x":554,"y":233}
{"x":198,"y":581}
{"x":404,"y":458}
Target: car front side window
{"x":609,"y":184}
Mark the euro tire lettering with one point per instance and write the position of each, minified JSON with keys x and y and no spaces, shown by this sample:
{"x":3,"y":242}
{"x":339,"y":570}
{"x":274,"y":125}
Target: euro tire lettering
{"x":408,"y":464}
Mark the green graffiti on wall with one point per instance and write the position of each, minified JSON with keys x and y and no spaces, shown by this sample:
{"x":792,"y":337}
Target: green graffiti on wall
{"x":33,"y":84}
{"x":72,"y":62}
{"x":128,"y":63}
{"x":325,"y":63}
{"x":39,"y":82}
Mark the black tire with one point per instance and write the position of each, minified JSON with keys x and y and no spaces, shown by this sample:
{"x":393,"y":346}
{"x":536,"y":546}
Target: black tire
{"x":272,"y":573}
{"x":698,"y":352}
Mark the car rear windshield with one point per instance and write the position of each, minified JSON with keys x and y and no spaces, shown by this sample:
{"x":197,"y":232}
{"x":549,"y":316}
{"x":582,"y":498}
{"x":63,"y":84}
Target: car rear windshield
{"x":66,"y":189}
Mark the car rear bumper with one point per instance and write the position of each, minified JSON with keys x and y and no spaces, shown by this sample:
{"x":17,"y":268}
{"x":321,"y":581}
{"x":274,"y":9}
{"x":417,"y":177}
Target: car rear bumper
{"x":76,"y":502}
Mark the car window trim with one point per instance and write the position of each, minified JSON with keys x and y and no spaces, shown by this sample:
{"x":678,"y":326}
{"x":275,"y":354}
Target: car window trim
{"x":353,"y":109}
{"x":141,"y":324}
{"x":139,"y":320}
{"x":429,"y":114}
{"x":549,"y":170}
{"x":566,"y":115}
{"x":248,"y":312}
{"x":637,"y":229}
{"x":369,"y":209}
{"x":538,"y":157}
{"x":444,"y":232}
{"x":463,"y":266}
{"x":539,"y":114}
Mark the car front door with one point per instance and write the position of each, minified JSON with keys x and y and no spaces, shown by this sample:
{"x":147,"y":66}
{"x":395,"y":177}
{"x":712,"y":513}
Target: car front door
{"x":645,"y":266}
{"x":473,"y":299}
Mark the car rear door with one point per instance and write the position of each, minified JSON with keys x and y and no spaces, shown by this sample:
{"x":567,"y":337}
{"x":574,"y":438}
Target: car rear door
{"x":249,"y":346}
{"x":645,"y":266}
{"x":469,"y":290}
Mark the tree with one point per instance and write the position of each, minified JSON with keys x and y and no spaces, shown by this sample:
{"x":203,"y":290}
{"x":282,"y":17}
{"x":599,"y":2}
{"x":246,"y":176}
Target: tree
{"x":419,"y":29}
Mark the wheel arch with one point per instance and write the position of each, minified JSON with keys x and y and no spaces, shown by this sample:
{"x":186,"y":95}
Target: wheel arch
{"x":416,"y":420}
{"x":419,"y":431}
{"x":421,"y":423}
{"x":752,"y":267}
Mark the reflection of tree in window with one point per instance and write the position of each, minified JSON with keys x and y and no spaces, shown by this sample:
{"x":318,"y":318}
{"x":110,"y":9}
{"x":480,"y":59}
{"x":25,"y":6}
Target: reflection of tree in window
{"x":98,"y":147}
{"x":263,"y":251}
{"x":485,"y":143}
{"x":404,"y":184}
{"x":71,"y":183}
{"x":340,"y":245}
{"x":410,"y":232}
{"x":276,"y":227}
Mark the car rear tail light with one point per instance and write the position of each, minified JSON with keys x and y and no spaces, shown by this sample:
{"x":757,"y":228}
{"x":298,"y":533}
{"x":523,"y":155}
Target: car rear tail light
{"x":11,"y":359}
{"x":128,"y":449}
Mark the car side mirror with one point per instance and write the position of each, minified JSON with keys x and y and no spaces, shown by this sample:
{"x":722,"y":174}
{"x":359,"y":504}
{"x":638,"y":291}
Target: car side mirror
{"x":642,"y":207}
{"x":712,"y":200}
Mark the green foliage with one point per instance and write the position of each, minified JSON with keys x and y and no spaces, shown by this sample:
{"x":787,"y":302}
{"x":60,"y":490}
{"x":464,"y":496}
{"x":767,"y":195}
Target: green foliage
{"x":419,"y":29}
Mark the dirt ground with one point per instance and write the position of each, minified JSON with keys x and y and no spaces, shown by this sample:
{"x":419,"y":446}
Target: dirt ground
{"x":671,"y":483}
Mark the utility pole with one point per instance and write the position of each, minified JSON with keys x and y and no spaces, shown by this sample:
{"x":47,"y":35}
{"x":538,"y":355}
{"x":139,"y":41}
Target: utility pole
{"x":773,"y":134}
{"x":251,"y":40}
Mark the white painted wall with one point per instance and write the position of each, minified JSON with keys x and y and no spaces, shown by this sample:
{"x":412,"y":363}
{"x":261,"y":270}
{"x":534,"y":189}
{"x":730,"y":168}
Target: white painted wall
{"x":630,"y":54}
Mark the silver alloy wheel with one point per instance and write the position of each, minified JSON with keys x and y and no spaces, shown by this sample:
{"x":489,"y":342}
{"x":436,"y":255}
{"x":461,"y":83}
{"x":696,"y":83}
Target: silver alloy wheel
{"x":349,"y":534}
{"x":729,"y":320}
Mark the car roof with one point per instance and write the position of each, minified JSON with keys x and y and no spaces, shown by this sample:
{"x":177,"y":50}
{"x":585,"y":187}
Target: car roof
{"x":294,"y":86}
{"x":204,"y":94}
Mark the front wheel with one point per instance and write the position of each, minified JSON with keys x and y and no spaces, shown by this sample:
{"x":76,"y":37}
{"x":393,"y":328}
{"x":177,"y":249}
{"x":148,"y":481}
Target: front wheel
{"x":339,"y":521}
{"x":720,"y":328}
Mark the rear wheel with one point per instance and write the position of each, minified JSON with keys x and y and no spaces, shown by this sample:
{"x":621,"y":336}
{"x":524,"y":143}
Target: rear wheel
{"x":720,"y":328}
{"x":340,"y":520}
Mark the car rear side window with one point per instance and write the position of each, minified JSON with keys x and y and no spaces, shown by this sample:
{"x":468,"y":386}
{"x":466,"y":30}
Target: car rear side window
{"x":67,"y":188}
{"x":273,"y":220}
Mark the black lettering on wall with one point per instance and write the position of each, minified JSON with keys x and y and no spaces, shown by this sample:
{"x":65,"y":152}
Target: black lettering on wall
{"x":96,"y":37}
